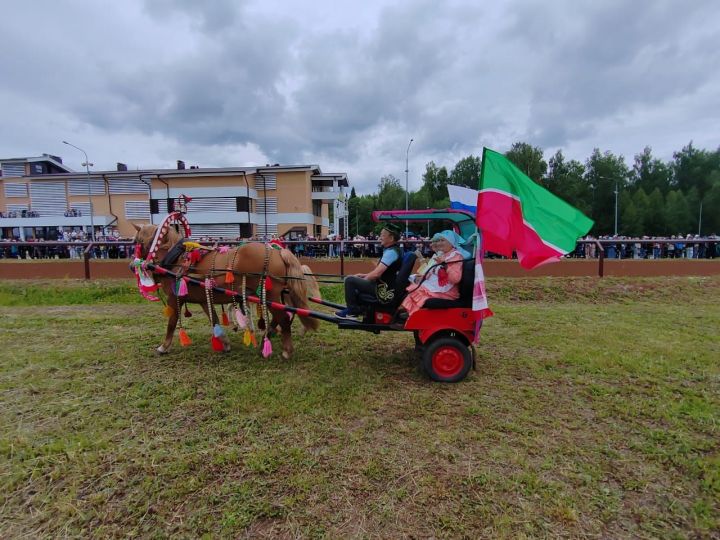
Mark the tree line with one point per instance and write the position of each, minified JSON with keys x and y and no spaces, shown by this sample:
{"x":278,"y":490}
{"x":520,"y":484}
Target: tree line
{"x":654,"y":197}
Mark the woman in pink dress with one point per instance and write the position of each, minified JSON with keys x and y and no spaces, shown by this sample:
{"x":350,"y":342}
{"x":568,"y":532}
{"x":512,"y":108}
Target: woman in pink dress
{"x":435,"y":279}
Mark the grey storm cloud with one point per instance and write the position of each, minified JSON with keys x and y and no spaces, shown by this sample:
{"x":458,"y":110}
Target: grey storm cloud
{"x":613,"y":57}
{"x":310,"y":82}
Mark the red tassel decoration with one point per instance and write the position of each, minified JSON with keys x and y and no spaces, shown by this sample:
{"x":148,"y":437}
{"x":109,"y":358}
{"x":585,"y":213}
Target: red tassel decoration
{"x":252,"y":339}
{"x":225,"y":319}
{"x":442,"y":277}
{"x":268,"y":284}
{"x":184,"y":338}
{"x":229,"y":277}
{"x":217,"y":344}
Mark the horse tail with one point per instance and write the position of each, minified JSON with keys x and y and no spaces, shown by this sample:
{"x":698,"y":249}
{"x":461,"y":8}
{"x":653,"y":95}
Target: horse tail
{"x":297,"y":284}
{"x":312,"y":284}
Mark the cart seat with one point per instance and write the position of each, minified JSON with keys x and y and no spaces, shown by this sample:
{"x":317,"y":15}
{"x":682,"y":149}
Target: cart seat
{"x":401,"y":283}
{"x":466,"y":290}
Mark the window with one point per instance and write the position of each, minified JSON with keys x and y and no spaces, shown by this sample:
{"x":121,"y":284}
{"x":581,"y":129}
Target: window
{"x":265,"y":181}
{"x":242,"y":204}
{"x":317,"y":208}
{"x":137,"y":210}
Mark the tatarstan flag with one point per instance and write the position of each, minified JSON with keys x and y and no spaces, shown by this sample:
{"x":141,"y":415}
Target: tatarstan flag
{"x":516,"y":214}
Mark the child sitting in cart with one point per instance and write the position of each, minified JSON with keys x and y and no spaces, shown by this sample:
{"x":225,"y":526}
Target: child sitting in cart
{"x":441,"y":280}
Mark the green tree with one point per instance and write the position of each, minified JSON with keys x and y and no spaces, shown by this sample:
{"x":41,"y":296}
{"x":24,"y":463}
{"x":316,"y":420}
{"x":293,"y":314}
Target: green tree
{"x":603,"y":173}
{"x":565,"y":179}
{"x":435,"y":181}
{"x":391,"y":195}
{"x":467,"y":172}
{"x":365,"y":206}
{"x":649,"y":173}
{"x":677,"y":213}
{"x":630,"y":220}
{"x":711,"y":211}
{"x":529,"y":159}
{"x":655,"y":224}
{"x":694,"y":167}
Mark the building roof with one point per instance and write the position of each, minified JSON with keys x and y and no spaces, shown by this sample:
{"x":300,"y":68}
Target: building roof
{"x":55,"y":160}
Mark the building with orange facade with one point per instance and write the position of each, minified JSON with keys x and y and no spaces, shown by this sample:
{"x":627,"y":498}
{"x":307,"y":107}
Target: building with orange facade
{"x":40,"y":198}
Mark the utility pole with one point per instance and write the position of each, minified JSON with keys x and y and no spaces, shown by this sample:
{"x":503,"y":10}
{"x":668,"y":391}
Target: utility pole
{"x":616,"y":206}
{"x":407,"y":170}
{"x":87,"y":166}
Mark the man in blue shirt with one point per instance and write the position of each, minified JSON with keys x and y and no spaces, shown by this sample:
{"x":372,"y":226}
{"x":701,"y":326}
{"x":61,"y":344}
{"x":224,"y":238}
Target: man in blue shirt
{"x":377,"y":282}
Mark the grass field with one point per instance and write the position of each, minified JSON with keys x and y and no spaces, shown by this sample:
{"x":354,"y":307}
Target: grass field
{"x":593,"y":413}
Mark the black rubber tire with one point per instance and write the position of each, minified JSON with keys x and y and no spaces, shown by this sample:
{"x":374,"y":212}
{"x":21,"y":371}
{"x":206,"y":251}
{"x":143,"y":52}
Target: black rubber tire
{"x":447,"y":359}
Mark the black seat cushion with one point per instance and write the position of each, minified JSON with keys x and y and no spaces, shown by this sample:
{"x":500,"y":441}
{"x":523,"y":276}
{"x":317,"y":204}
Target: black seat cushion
{"x":401,"y":283}
{"x":466,"y":290}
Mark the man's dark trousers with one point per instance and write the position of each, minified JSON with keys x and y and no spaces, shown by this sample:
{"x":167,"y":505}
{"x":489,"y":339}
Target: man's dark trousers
{"x":354,"y":287}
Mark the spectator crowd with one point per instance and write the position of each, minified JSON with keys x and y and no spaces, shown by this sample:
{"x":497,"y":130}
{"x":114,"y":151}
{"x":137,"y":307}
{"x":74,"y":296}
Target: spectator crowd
{"x":112,"y":246}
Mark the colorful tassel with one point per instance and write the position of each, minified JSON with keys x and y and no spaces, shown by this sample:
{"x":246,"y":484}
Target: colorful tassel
{"x":168,"y":311}
{"x":217,"y":344}
{"x":218,"y":331}
{"x":268,"y":284}
{"x":229,"y":277}
{"x":241,"y":318}
{"x":184,"y":338}
{"x":182,"y":288}
{"x":246,"y":337}
{"x":252,"y":339}
{"x":267,"y":348}
{"x":225,"y":319}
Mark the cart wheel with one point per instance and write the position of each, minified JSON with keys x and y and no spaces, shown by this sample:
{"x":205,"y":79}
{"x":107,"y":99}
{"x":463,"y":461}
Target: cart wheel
{"x":447,"y":360}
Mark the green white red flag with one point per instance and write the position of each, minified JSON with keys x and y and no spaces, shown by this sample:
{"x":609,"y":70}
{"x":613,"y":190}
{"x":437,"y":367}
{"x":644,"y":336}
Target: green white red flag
{"x":516,"y":214}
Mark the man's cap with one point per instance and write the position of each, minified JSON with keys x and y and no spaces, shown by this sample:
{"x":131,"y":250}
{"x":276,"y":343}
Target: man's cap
{"x":392,"y":228}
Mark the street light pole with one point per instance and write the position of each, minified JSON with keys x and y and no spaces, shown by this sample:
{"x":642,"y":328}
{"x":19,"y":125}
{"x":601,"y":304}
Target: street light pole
{"x":616,"y":206}
{"x":700,"y":220}
{"x":407,"y":170}
{"x":87,"y":166}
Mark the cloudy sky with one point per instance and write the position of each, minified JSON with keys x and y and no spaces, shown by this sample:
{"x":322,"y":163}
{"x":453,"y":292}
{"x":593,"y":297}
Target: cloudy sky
{"x":346,"y":84}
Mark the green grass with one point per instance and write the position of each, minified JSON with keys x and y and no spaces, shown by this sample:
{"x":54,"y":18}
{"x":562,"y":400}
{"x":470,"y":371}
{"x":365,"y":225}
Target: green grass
{"x":593,"y":412}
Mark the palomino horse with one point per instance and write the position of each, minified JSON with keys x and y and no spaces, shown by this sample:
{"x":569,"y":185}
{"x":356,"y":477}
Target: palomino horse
{"x":282,"y":267}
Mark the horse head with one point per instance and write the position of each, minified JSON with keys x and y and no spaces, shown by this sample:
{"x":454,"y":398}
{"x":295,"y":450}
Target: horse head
{"x":144,"y":235}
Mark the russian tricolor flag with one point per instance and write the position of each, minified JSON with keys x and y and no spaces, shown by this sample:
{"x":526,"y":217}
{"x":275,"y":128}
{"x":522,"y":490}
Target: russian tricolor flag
{"x":462,"y":198}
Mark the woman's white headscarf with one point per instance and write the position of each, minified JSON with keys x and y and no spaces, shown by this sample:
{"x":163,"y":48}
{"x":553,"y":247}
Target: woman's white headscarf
{"x":455,"y":240}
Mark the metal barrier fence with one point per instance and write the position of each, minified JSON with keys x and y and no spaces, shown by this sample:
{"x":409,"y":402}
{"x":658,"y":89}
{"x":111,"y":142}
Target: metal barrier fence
{"x":666,"y":248}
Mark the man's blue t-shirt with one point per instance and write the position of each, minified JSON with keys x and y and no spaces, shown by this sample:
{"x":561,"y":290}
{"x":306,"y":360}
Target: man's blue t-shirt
{"x":389,"y":256}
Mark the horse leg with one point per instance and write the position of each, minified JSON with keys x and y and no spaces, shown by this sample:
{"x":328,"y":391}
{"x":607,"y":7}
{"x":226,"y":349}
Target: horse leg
{"x":285,"y":332}
{"x":213,"y":317}
{"x":164,"y":348}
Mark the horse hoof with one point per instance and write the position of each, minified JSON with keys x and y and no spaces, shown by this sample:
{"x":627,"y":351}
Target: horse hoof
{"x":160,"y":351}
{"x":286,"y":355}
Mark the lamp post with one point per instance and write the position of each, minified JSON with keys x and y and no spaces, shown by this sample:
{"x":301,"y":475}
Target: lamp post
{"x":616,"y":206}
{"x":616,"y":200}
{"x":87,"y":166}
{"x":700,"y":219}
{"x":407,"y":170}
